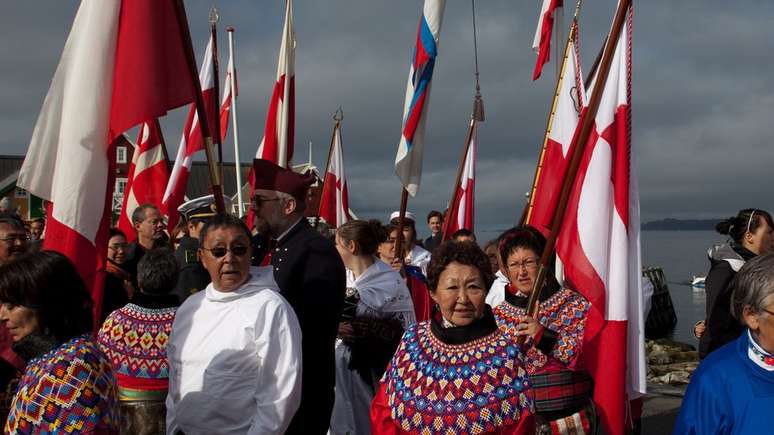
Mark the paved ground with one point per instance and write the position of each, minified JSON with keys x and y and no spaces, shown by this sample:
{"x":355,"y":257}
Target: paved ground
{"x":662,"y":404}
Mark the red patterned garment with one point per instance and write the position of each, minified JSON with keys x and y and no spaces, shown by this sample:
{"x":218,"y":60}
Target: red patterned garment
{"x":70,"y":389}
{"x":438,"y":386}
{"x":563,"y":314}
{"x":135,"y":339}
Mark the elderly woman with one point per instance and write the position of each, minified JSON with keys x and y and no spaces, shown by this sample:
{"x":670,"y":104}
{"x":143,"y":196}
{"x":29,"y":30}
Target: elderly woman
{"x":732,"y":391}
{"x":554,"y":339}
{"x":68,"y":385}
{"x":457,"y":372}
{"x":235,"y":349}
{"x":378,"y":309}
{"x":134,"y":338}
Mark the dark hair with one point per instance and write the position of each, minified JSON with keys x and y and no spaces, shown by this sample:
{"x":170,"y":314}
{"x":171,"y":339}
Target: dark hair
{"x":463,"y":232}
{"x":525,"y":237}
{"x":116,"y":232}
{"x":736,"y":227}
{"x":39,"y":220}
{"x":138,"y":215}
{"x":223,"y":221}
{"x":13,"y":220}
{"x":462,"y":252}
{"x":406,"y":223}
{"x":365,"y":234}
{"x":434,"y":213}
{"x":157,"y":272}
{"x":47,"y":282}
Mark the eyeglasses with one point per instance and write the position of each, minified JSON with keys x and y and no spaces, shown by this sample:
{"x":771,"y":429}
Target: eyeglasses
{"x":16,"y":237}
{"x":769,"y":312}
{"x":529,"y":264}
{"x":221,"y":252}
{"x":258,"y":200}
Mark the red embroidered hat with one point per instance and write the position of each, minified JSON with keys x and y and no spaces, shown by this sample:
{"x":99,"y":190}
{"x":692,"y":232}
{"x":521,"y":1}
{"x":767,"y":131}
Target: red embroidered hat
{"x":269,"y":176}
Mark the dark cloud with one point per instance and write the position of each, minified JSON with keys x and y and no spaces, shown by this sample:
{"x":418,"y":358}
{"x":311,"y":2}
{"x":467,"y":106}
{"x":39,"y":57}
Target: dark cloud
{"x":701,"y":93}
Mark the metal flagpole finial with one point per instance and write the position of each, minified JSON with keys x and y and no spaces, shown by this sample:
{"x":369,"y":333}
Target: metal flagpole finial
{"x":338,"y":115}
{"x":478,"y":104}
{"x":214,"y":17}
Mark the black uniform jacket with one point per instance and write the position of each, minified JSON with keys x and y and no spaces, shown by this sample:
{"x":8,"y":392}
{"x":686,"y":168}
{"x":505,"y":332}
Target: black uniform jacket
{"x":311,"y":276}
{"x":193,"y":276}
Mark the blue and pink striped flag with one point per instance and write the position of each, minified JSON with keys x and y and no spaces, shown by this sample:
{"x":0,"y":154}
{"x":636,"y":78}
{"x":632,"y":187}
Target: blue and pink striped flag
{"x":408,"y":161}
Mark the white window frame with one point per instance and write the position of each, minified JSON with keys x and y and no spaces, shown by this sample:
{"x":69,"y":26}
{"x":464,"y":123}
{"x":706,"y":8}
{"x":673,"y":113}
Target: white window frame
{"x":121,"y":155}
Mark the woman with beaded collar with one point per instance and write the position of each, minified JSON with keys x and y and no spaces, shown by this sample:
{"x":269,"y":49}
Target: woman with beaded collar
{"x":457,"y":372}
{"x":554,"y":340}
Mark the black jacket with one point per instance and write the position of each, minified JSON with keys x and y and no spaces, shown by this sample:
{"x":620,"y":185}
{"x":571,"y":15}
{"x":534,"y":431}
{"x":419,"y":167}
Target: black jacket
{"x":311,"y":276}
{"x":432,"y":242}
{"x":193,"y":276}
{"x":721,"y":326}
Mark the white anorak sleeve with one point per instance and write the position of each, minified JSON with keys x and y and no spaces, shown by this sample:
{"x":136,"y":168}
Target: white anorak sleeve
{"x":278,"y":388}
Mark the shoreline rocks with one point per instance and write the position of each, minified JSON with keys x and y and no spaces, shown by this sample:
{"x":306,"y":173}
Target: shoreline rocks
{"x":670,"y":362}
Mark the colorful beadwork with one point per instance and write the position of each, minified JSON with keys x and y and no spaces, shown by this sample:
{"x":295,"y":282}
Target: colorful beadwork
{"x":564,"y":313}
{"x":70,"y":389}
{"x":135,"y":340}
{"x":473,"y":388}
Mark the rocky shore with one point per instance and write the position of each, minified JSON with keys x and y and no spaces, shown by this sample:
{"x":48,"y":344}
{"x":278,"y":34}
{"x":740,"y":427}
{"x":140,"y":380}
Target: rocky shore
{"x":670,"y":362}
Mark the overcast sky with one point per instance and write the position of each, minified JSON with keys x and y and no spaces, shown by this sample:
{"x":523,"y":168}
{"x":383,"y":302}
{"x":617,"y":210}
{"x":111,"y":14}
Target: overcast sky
{"x":702,"y":94}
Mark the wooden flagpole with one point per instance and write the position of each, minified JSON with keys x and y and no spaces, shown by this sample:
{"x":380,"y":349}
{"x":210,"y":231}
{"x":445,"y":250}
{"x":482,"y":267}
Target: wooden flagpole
{"x":578,"y":146}
{"x":401,"y":221}
{"x":215,"y":186}
{"x":527,"y":211}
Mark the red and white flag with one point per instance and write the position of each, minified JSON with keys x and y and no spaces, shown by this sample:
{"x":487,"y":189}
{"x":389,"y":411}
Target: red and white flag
{"x":334,"y":202}
{"x":191,"y":141}
{"x":277,"y":143}
{"x":599,"y":245}
{"x":553,"y":163}
{"x":124,"y":62}
{"x":462,"y":210}
{"x":225,"y":103}
{"x":541,"y":43}
{"x":147,"y":178}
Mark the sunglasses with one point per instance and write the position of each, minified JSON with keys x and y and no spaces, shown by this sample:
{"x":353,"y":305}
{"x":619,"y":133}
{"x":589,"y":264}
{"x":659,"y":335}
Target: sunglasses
{"x":221,"y":252}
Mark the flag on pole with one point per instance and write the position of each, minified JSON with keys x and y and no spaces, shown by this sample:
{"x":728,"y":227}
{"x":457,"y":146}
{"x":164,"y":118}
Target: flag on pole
{"x":225,"y":105}
{"x":462,"y":210}
{"x":408,"y":161}
{"x":191,"y":141}
{"x":570,"y":102}
{"x":334,"y":202}
{"x":541,"y":43}
{"x":599,"y":245}
{"x":147,"y":178}
{"x":277,"y":142}
{"x":123,"y":63}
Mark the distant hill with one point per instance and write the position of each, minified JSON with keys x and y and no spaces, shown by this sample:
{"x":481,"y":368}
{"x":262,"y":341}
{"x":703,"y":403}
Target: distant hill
{"x":681,"y":225}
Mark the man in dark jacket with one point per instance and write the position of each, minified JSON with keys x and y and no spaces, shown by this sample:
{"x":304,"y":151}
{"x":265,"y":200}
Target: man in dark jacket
{"x":193,"y":276}
{"x":311,"y":276}
{"x":435,"y":224}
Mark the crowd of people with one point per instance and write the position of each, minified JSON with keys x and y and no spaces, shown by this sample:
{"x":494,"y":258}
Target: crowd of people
{"x":219,"y":327}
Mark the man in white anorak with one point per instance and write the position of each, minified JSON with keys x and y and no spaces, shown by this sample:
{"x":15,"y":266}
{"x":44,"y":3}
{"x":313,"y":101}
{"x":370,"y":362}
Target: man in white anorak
{"x":235,"y":348}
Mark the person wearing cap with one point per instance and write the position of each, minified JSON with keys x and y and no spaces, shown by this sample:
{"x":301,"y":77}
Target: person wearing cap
{"x":414,"y":255}
{"x":311,"y":276}
{"x":193,"y":276}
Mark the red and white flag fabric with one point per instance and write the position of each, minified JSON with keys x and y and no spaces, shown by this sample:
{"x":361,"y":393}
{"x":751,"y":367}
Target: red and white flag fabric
{"x":571,"y":101}
{"x":599,"y":245}
{"x":192,"y":140}
{"x":124,"y":62}
{"x":277,"y":143}
{"x":462,"y":210}
{"x":334,"y":202}
{"x":408,"y":160}
{"x":541,"y":43}
{"x":225,"y":102}
{"x":147,"y":178}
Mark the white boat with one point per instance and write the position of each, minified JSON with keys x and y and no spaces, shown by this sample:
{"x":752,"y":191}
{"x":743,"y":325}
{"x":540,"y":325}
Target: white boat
{"x":698,"y":282}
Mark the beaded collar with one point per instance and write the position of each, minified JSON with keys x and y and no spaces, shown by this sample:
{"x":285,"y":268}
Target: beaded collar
{"x":759,"y":356}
